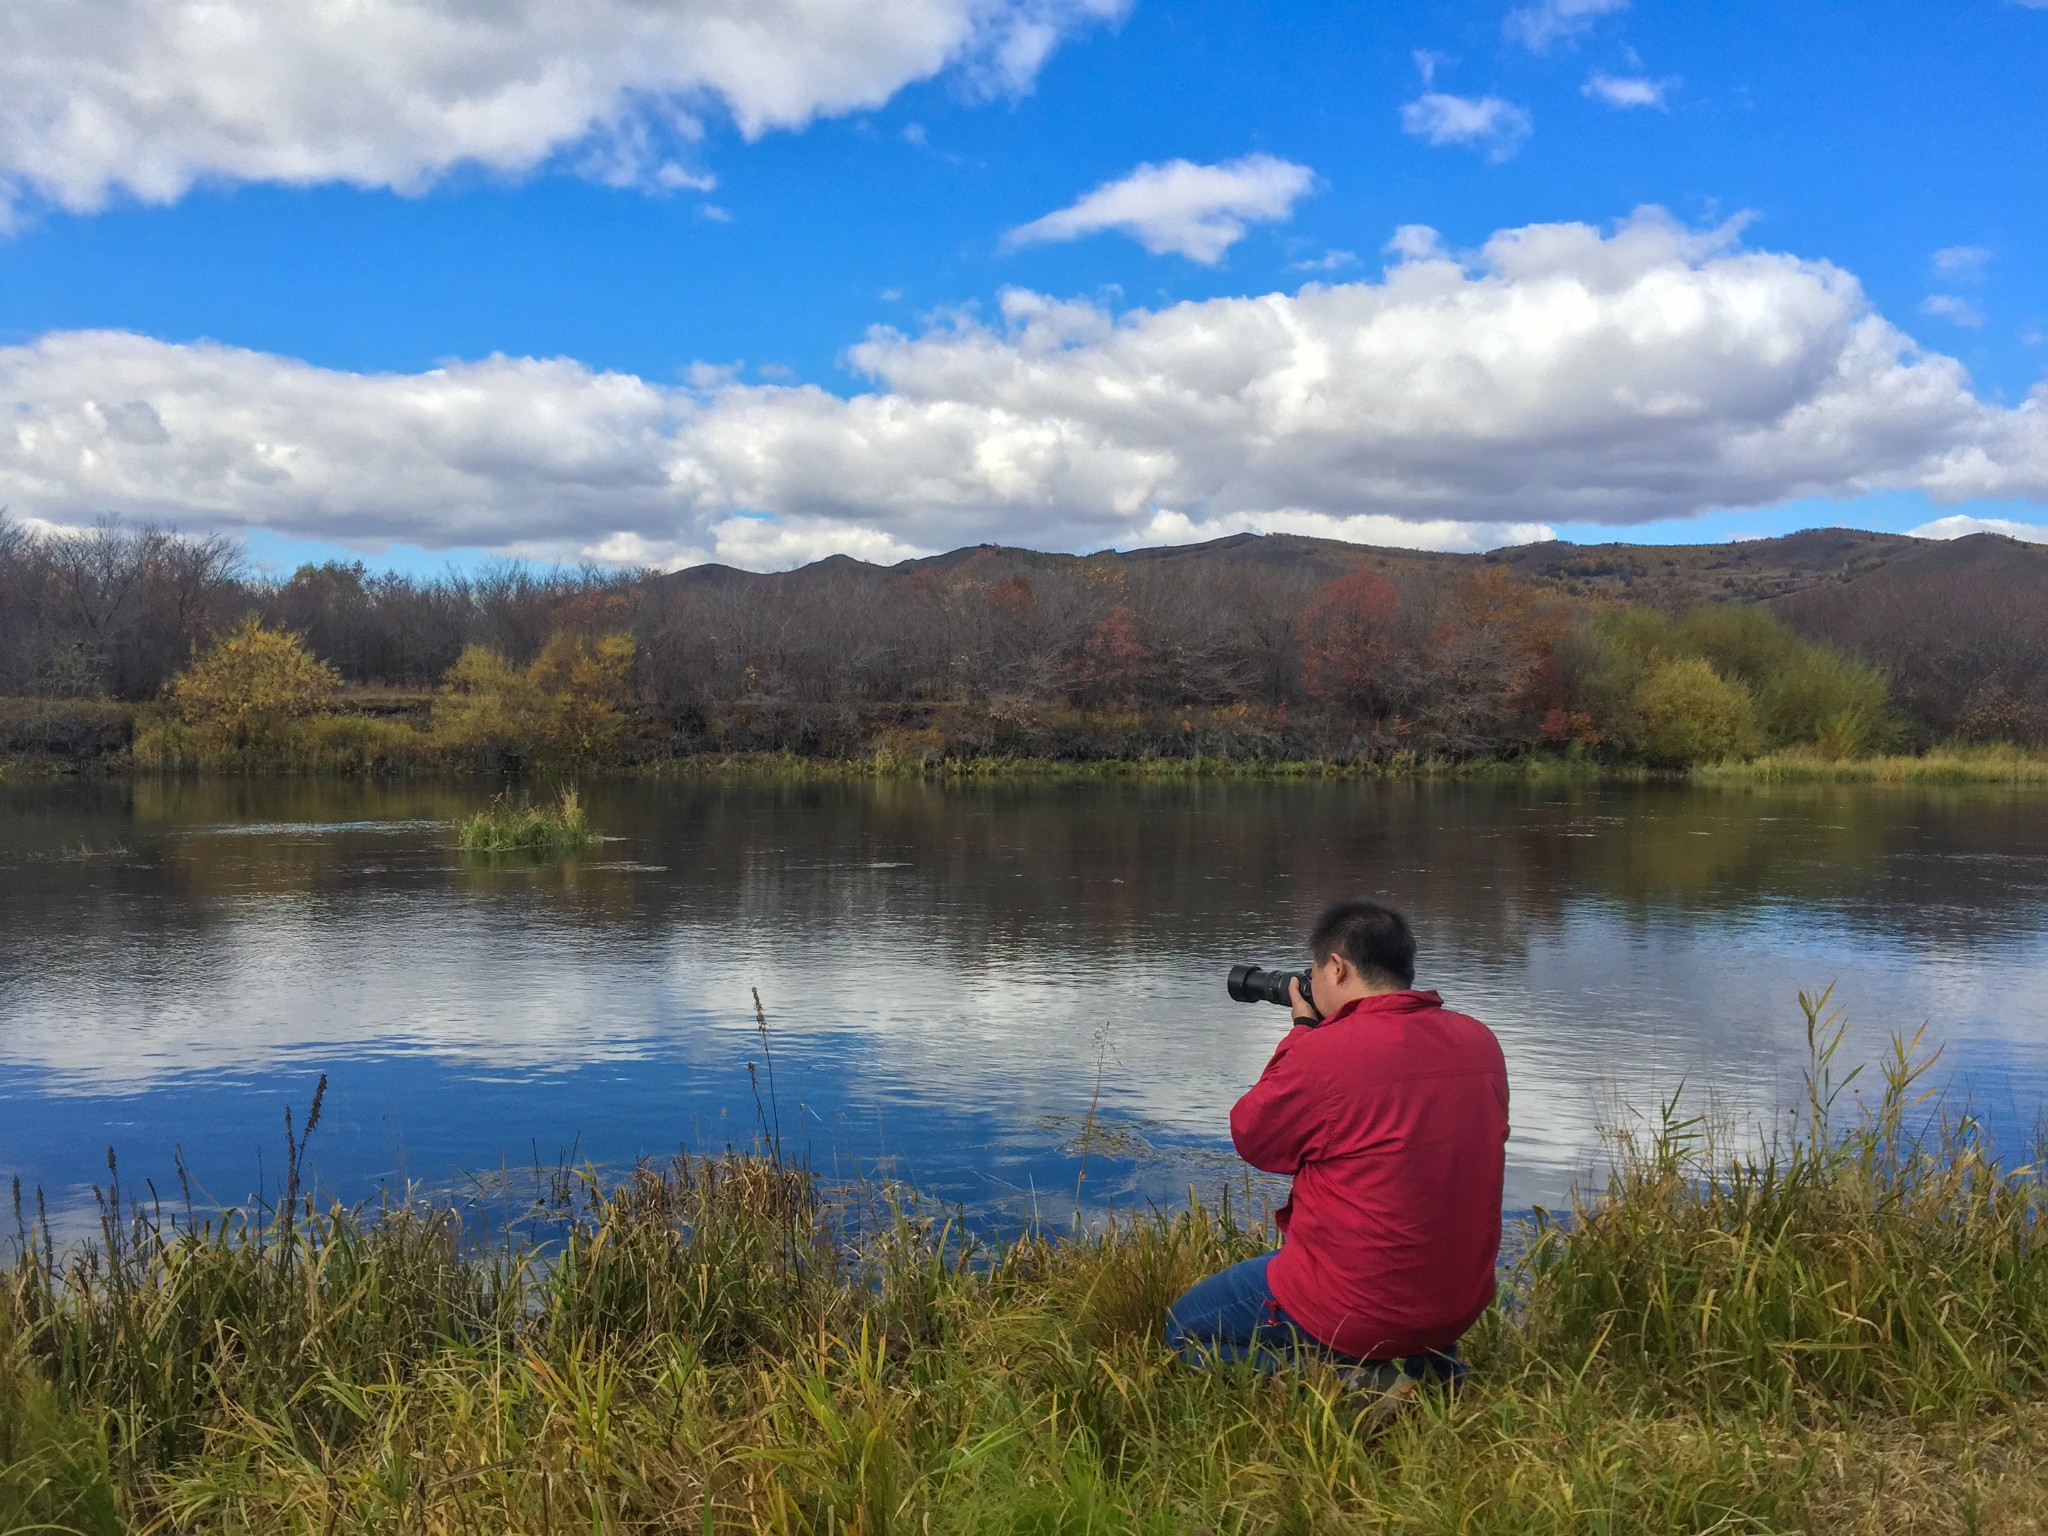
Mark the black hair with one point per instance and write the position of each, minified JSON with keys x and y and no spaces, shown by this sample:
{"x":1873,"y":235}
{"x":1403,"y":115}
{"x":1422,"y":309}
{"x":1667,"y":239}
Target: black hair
{"x":1375,"y":939}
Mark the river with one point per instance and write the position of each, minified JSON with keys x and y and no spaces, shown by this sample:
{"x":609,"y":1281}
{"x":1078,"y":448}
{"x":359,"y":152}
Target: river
{"x":953,"y":975}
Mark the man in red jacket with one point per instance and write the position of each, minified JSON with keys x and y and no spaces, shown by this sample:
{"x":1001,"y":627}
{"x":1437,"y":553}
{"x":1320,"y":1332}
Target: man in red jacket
{"x":1390,"y":1112}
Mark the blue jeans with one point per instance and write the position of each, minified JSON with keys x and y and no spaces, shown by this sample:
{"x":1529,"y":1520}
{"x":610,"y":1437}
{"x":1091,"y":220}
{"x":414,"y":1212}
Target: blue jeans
{"x":1232,"y":1316}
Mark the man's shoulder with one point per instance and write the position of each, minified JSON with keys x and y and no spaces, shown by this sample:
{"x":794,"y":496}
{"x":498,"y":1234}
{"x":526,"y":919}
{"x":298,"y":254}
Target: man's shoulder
{"x":1432,"y":1030}
{"x":1466,"y":1026}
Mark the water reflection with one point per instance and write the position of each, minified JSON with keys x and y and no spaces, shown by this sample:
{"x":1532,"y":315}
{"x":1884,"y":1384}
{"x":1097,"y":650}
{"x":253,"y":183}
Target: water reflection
{"x":950,"y":969}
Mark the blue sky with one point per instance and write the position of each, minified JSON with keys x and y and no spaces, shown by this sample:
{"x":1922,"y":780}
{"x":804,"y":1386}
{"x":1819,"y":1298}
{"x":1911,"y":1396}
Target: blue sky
{"x":258,"y":284}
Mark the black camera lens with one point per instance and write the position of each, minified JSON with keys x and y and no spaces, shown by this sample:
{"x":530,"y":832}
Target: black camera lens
{"x":1255,"y":984}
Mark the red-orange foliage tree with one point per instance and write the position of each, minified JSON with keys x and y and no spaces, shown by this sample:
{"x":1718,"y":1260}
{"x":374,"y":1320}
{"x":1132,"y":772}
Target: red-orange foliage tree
{"x":1493,"y":677}
{"x":1349,"y":649}
{"x":1114,"y":661}
{"x":1013,"y":597}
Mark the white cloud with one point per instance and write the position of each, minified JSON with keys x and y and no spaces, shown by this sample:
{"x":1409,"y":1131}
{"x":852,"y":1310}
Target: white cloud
{"x":1558,"y":373}
{"x":1959,"y":525}
{"x":1379,"y":528}
{"x":1415,"y":242}
{"x":1953,"y":308}
{"x":1329,"y":261}
{"x":763,"y":543}
{"x":1538,"y":27}
{"x":1198,"y":211}
{"x":499,"y":452}
{"x":1500,"y":127}
{"x":1963,"y":261}
{"x":152,"y":96}
{"x":1624,"y":91}
{"x":1428,"y":61}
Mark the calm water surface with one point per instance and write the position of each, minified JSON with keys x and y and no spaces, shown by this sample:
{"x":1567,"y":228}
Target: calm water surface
{"x":952,"y":975}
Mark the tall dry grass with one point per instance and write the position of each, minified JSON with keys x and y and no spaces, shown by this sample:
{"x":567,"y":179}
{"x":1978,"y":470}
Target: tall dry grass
{"x":1992,"y":764}
{"x":1838,"y":1330}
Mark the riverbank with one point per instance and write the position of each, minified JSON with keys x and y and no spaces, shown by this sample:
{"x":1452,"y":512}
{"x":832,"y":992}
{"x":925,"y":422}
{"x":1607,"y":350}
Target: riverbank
{"x":1958,"y":765}
{"x":391,"y":735}
{"x":1944,"y":765}
{"x":1989,"y":765}
{"x":1846,"y":1333}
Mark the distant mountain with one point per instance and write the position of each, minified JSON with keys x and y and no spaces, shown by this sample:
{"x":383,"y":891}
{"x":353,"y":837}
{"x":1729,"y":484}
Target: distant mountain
{"x":1666,"y":575}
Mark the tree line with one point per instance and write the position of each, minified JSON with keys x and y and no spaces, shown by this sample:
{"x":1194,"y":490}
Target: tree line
{"x":1002,"y":653}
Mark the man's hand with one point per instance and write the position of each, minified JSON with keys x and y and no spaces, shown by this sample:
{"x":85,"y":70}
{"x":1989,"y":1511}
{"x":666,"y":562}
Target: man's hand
{"x":1303,"y":1010}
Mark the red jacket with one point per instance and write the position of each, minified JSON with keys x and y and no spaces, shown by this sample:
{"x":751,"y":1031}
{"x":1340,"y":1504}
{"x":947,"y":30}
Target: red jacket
{"x":1392,"y":1118}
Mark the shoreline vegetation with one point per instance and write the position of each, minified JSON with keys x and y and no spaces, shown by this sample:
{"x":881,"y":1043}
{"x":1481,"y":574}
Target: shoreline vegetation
{"x":1842,"y":1327}
{"x":1828,"y":654}
{"x":360,"y":737}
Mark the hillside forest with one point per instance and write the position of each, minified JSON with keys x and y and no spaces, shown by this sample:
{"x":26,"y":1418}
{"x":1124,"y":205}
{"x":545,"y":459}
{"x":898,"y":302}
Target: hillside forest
{"x":137,"y":640}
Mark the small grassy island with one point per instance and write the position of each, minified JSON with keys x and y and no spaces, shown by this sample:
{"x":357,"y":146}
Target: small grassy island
{"x":1839,"y":1331}
{"x":503,"y":827}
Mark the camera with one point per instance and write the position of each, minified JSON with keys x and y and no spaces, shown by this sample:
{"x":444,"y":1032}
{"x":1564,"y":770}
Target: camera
{"x":1255,"y":984}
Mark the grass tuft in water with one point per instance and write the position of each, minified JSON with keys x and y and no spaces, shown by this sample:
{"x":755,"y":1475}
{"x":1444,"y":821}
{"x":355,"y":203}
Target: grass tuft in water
{"x":1843,"y":1328}
{"x":503,"y":827}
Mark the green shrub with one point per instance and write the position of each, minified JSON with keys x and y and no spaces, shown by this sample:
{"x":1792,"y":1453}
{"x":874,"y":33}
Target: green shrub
{"x":1642,"y":632}
{"x":1816,"y":697}
{"x":1744,"y":643}
{"x":1719,"y":683}
{"x":1690,"y":714}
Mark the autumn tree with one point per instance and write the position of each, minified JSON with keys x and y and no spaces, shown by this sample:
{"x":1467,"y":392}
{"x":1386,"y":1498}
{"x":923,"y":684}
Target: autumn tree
{"x":1115,"y":663}
{"x":586,"y":691}
{"x":251,"y":684}
{"x":1491,"y":675}
{"x":575,"y":699}
{"x":1349,"y":649}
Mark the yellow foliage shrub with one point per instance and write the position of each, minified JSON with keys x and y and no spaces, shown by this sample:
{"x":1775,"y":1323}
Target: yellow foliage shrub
{"x":574,"y":700}
{"x":252,"y":684}
{"x":586,"y":688}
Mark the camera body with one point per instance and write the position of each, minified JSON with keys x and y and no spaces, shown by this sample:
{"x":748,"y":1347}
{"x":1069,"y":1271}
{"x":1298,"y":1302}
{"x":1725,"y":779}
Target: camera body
{"x":1256,"y":984}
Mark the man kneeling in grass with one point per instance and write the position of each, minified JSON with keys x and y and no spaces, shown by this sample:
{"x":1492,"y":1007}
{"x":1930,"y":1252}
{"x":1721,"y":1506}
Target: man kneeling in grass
{"x":1390,"y":1113}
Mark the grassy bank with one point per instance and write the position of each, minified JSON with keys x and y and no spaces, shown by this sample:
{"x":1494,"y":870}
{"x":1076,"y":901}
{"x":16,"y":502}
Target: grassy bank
{"x":792,"y":768}
{"x":377,"y":733}
{"x":1943,"y":765}
{"x":1947,"y":765}
{"x":1840,"y":1333}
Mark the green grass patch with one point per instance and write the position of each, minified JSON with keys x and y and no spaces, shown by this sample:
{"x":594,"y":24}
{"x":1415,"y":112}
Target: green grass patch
{"x":1997,"y":764}
{"x":506,"y":827}
{"x":1842,"y":1329}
